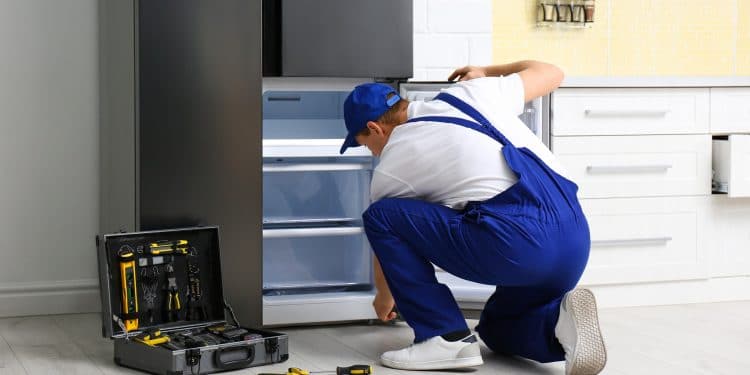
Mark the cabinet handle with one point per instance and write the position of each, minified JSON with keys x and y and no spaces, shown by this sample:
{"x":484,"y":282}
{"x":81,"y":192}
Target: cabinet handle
{"x":631,"y":242}
{"x":284,"y":98}
{"x":311,"y":232}
{"x":315,"y":167}
{"x":625,"y":113}
{"x":606,"y":169}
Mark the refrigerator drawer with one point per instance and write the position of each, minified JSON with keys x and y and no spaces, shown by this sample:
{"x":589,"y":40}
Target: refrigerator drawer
{"x":303,"y":115}
{"x":308,"y":260}
{"x":315,"y":193}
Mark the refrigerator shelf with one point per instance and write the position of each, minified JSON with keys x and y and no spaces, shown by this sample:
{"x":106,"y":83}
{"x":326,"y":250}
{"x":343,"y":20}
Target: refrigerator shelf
{"x":312,"y":287}
{"x":309,"y":222}
{"x":311,"y":232}
{"x":311,"y":148}
{"x":315,"y":167}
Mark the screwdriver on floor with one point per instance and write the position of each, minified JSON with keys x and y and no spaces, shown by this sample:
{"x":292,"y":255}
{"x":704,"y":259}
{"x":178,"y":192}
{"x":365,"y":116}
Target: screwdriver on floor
{"x":349,"y":370}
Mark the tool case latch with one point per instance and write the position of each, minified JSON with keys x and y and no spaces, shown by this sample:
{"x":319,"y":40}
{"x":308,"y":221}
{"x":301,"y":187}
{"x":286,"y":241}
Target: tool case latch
{"x":192,"y":357}
{"x":272,"y":345}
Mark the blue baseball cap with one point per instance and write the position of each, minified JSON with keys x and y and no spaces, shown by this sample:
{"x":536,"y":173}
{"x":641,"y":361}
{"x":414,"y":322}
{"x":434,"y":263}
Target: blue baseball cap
{"x":367,"y":102}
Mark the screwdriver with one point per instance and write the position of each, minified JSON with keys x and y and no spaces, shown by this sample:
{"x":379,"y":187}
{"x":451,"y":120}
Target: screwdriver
{"x":354,"y":370}
{"x":349,"y":370}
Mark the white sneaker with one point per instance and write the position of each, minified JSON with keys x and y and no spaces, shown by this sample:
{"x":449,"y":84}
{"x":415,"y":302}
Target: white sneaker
{"x":435,"y":354}
{"x":578,"y":331}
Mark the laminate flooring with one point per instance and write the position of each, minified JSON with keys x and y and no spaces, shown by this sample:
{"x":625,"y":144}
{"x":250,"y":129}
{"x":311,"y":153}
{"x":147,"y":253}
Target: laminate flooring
{"x":680,"y":339}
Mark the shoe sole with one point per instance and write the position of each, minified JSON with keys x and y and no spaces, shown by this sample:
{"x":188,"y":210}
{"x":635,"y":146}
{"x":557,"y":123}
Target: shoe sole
{"x":435,"y":365}
{"x":590,"y":354}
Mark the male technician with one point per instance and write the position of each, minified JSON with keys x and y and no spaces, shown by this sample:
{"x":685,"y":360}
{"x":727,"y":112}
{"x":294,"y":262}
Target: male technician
{"x":463,"y":184}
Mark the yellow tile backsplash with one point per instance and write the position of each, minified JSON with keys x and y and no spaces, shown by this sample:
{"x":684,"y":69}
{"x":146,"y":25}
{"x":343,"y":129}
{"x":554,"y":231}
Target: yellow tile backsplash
{"x":632,"y":38}
{"x":743,"y":38}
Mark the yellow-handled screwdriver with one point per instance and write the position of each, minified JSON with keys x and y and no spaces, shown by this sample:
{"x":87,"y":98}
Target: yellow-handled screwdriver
{"x":354,"y":370}
{"x":348,"y":370}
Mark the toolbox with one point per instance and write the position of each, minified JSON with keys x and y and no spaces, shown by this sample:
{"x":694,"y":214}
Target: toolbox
{"x":163,"y":304}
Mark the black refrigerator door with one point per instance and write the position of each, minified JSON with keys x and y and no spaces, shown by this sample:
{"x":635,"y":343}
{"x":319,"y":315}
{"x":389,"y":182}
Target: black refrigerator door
{"x":199,"y":132}
{"x":345,"y":38}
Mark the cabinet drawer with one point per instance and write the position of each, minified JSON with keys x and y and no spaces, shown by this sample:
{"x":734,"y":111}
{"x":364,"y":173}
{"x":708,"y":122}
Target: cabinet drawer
{"x":623,"y":111}
{"x":730,"y":238}
{"x":729,"y":110}
{"x":731,"y":158}
{"x":646,"y":239}
{"x":637,"y":166}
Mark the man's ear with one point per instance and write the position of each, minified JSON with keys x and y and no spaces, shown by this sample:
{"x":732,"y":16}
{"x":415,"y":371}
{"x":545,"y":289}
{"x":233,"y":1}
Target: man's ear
{"x":374,"y":127}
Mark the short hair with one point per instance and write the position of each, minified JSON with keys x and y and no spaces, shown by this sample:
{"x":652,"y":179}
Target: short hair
{"x":390,"y":116}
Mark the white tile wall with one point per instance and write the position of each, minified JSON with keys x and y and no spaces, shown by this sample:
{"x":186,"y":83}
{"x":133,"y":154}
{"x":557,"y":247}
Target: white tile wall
{"x":450,"y":34}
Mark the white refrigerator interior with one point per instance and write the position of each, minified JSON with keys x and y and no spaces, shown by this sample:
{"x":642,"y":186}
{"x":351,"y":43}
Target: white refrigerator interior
{"x":317,"y":263}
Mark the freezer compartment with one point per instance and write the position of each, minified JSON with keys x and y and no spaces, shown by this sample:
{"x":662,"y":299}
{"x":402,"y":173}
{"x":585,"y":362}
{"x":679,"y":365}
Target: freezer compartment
{"x":303,"y":115}
{"x":315,"y":260}
{"x":315,"y":191}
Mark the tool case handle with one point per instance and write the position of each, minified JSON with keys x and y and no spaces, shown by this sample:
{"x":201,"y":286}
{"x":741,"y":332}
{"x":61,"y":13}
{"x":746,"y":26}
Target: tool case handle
{"x":236,"y":364}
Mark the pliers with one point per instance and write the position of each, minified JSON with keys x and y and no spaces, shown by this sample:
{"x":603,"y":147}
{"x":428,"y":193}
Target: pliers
{"x":173,"y":295}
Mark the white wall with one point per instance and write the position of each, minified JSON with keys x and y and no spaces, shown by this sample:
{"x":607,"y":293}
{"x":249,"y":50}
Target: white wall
{"x":48,"y":156}
{"x":449,"y":34}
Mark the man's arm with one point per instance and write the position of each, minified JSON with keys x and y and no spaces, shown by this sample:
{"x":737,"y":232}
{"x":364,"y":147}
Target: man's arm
{"x":538,"y":78}
{"x":383,"y":302}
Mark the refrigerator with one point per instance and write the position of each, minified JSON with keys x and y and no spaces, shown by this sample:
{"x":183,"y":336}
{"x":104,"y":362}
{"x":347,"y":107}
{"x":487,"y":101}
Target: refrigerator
{"x":181,"y":99}
{"x":317,"y":263}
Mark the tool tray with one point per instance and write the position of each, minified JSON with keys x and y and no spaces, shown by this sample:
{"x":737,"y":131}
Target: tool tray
{"x":182,"y":266}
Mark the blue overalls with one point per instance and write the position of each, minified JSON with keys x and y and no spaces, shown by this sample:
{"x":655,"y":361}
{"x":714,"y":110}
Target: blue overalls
{"x":531,"y":241}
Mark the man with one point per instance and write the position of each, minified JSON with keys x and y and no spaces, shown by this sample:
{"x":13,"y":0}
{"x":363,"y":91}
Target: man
{"x":463,"y":184}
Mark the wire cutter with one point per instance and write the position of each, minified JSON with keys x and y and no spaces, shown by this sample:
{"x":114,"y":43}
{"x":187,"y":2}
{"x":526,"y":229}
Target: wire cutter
{"x":173,"y":295}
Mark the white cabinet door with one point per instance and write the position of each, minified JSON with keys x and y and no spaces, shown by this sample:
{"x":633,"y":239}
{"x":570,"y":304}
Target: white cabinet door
{"x":731,"y":163}
{"x":630,"y":111}
{"x":730,"y":237}
{"x":637,"y":166}
{"x":730,"y":112}
{"x":646,"y":239}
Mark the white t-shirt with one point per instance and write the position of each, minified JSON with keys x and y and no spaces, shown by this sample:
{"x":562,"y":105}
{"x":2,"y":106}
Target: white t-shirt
{"x":450,"y":164}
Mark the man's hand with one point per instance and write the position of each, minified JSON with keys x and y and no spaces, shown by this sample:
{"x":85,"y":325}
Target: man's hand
{"x":468,"y":72}
{"x":538,"y":78}
{"x":384,"y":305}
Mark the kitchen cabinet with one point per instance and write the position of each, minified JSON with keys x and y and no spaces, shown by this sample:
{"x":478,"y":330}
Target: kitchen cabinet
{"x":646,"y":239}
{"x":729,"y":110}
{"x":630,"y":111}
{"x":730,"y":242}
{"x":637,"y":166}
{"x":644,"y":155}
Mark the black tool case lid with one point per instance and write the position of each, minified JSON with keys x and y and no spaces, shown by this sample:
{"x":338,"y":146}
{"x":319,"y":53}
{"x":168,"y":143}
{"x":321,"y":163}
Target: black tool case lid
{"x":203,"y":251}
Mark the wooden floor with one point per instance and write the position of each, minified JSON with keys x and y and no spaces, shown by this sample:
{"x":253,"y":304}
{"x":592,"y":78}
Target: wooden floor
{"x":682,"y":339}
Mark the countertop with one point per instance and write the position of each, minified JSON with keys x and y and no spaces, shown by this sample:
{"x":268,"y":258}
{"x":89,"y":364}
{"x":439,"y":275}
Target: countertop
{"x":656,"y":81}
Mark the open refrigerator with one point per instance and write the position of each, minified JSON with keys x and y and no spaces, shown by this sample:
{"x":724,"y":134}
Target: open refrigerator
{"x":317,"y":263}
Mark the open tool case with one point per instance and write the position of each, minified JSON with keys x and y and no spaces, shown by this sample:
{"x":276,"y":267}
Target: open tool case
{"x":172,"y":290}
